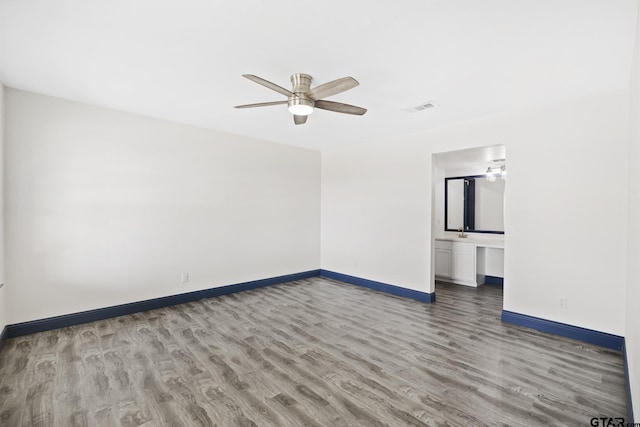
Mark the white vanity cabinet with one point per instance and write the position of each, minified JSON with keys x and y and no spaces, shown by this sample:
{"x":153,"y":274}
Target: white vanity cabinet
{"x":466,"y":261}
{"x":455,"y":262}
{"x":443,"y":259}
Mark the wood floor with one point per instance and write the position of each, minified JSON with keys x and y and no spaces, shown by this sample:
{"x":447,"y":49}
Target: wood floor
{"x":314,"y":352}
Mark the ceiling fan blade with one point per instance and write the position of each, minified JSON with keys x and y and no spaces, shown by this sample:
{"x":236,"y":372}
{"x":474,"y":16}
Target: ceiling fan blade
{"x":339,"y":107}
{"x":261,"y":104}
{"x":268,"y":84}
{"x":300,"y":120}
{"x":332,"y":88}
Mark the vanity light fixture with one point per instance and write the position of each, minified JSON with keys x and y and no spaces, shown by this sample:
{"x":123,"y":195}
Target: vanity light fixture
{"x":495,"y":172}
{"x":490,"y":175}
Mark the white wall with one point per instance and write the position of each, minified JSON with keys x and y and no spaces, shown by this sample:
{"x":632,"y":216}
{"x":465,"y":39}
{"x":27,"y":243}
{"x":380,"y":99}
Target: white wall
{"x":105,"y":208}
{"x":376,"y":203}
{"x":455,"y":211}
{"x":632,"y":335}
{"x":565,"y":230}
{"x":437,"y":200}
{"x":3,"y":291}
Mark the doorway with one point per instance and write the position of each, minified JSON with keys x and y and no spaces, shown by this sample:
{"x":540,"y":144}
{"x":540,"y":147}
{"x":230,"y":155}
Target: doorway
{"x":468,"y":228}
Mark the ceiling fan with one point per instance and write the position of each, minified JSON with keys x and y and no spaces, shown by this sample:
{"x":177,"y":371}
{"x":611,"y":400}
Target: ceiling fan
{"x":301,"y":99}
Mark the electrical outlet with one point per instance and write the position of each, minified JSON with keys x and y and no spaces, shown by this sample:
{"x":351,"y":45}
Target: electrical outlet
{"x":562,"y":302}
{"x":185,"y":277}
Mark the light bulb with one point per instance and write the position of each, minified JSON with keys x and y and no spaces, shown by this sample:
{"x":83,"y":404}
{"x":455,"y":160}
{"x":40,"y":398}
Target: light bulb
{"x":490,"y":174}
{"x":300,"y":105}
{"x":300,"y":109}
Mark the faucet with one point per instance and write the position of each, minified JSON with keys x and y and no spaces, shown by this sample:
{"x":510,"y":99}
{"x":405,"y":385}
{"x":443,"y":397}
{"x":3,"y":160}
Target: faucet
{"x":461,"y":233}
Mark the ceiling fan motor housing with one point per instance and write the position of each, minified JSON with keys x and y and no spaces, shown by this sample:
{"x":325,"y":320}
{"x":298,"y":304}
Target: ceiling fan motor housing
{"x":301,"y":85}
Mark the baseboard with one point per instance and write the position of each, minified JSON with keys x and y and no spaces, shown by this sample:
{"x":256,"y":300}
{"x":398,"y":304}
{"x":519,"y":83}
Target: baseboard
{"x":628,"y":384}
{"x":379,"y":286}
{"x":590,"y":336}
{"x":3,"y":336}
{"x":41,"y":325}
{"x":494,"y":281}
{"x":56,"y":322}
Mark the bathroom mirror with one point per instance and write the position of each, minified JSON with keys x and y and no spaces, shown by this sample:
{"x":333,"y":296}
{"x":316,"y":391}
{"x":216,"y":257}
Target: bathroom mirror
{"x":474,"y":204}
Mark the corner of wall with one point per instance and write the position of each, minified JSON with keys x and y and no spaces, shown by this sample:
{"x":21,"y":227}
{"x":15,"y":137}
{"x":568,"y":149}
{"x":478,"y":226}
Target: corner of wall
{"x":632,"y":315}
{"x":3,"y":304}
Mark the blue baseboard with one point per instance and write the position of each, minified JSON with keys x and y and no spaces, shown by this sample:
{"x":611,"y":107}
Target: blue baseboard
{"x":56,"y":322}
{"x":590,"y":336}
{"x":493,"y":280}
{"x":3,"y":336}
{"x":379,"y":286}
{"x":628,"y":384}
{"x":41,"y":325}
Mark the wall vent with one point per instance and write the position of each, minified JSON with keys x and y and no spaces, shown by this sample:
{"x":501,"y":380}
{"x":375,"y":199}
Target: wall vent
{"x":421,"y":107}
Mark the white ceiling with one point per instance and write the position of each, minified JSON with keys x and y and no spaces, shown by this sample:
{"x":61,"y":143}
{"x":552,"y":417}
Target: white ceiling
{"x":182,"y":60}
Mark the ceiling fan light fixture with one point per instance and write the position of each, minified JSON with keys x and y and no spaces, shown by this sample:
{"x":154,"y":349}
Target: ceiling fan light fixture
{"x":302,"y":100}
{"x":300,"y":106}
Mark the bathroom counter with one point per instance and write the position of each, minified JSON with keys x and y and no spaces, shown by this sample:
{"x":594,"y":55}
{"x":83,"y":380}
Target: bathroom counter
{"x":468,"y":261}
{"x":482,"y":243}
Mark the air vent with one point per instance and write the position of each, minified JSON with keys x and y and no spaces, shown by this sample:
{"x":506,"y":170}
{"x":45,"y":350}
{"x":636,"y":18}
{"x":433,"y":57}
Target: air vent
{"x":424,"y":106}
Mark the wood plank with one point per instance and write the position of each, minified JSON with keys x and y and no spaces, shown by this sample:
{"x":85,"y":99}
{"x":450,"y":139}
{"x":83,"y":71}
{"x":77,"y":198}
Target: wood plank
{"x":312,"y":352}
